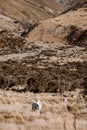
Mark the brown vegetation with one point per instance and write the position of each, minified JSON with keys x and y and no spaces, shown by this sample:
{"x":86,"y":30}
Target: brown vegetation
{"x":54,"y":115}
{"x":30,"y":9}
{"x":45,"y":60}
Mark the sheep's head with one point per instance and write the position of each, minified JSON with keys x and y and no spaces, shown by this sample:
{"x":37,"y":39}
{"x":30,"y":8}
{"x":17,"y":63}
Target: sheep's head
{"x":38,"y":102}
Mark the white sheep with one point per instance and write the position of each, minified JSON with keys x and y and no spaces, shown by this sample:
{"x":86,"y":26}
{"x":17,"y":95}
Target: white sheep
{"x":39,"y":104}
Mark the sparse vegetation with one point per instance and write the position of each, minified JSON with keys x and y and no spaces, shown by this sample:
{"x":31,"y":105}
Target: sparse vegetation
{"x":54,"y":113}
{"x":43,"y":65}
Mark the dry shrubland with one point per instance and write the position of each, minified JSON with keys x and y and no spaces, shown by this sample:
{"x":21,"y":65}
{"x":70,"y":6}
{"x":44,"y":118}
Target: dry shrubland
{"x":44,"y":61}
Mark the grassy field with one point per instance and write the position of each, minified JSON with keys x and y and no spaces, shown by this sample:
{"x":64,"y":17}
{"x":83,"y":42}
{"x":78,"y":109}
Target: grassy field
{"x":56,"y":113}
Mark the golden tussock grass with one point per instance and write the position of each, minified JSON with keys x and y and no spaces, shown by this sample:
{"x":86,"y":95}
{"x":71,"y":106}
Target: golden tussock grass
{"x":74,"y":109}
{"x":19,"y":119}
{"x":2,"y":119}
{"x":50,"y":117}
{"x":29,"y":118}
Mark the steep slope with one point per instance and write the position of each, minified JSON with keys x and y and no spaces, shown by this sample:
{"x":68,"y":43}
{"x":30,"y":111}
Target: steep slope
{"x":71,"y":2}
{"x":30,"y":9}
{"x":79,"y":2}
{"x":52,"y":58}
{"x":56,"y":31}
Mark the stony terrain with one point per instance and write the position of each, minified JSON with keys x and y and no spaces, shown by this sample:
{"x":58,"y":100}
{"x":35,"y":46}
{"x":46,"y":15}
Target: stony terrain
{"x":46,"y":59}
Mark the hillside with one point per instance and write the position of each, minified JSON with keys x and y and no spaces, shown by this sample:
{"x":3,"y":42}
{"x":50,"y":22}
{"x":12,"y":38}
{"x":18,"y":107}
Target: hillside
{"x":48,"y":46}
{"x":71,"y":2}
{"x":25,"y":10}
{"x":43,"y":56}
{"x":79,"y":2}
{"x":57,"y":30}
{"x":55,"y":47}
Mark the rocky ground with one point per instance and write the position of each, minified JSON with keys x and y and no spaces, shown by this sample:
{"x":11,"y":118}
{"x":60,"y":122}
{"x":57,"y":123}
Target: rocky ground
{"x":44,"y":60}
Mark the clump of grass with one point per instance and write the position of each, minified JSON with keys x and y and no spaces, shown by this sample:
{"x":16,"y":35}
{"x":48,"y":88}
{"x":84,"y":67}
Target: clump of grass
{"x":19,"y":119}
{"x":29,"y":118}
{"x":44,"y":116}
{"x":51,"y":109}
{"x":45,"y":106}
{"x":74,"y":109}
{"x":2,"y":119}
{"x":53,"y":100}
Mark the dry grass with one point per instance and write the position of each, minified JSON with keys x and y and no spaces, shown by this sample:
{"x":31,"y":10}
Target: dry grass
{"x":29,"y":118}
{"x":53,"y":116}
{"x":1,"y":118}
{"x":19,"y":119}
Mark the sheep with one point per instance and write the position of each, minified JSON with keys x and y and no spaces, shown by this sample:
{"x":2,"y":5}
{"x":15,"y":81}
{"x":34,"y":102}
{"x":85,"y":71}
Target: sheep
{"x":65,"y":103}
{"x":37,"y":106}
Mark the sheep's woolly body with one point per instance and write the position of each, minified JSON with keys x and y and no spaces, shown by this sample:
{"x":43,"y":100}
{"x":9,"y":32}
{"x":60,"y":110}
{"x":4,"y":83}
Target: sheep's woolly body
{"x":39,"y":104}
